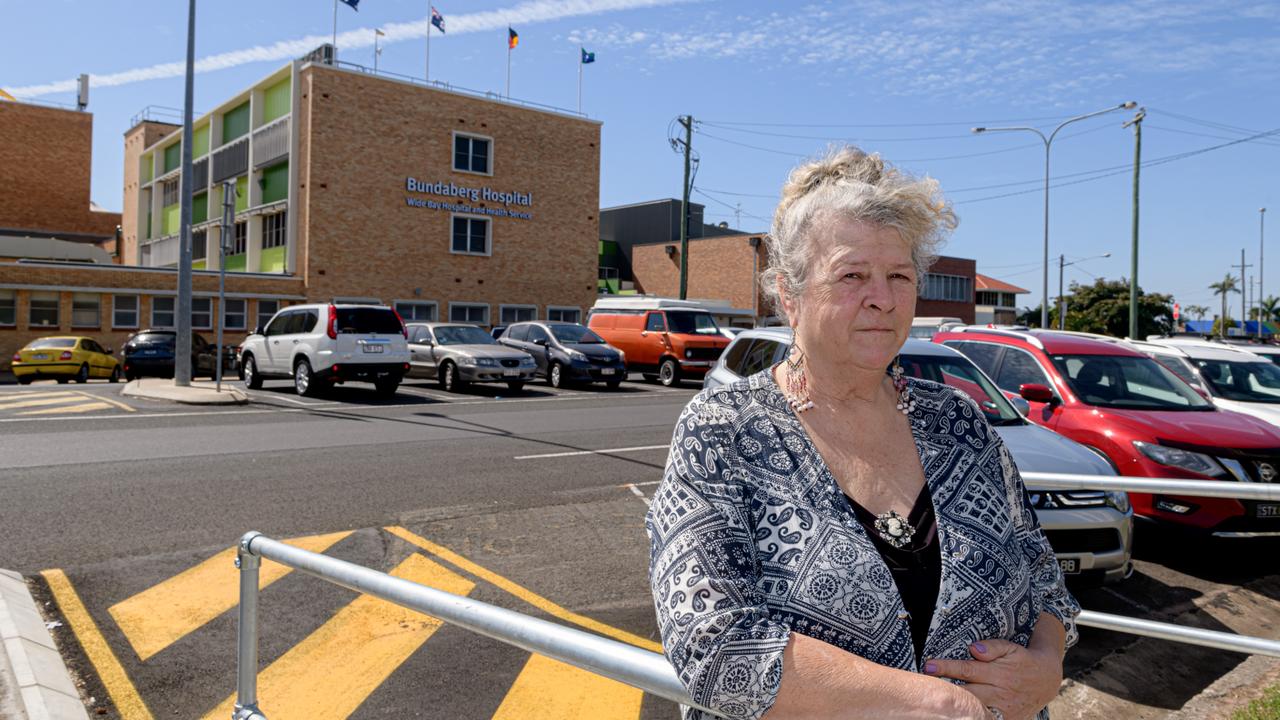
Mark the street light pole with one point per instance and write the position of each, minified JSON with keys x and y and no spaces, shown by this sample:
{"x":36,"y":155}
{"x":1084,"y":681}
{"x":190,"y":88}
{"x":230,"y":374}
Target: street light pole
{"x":1048,"y":142}
{"x":182,"y":350}
{"x":1062,"y":299}
{"x":1262,"y":217}
{"x":1136,"y":122}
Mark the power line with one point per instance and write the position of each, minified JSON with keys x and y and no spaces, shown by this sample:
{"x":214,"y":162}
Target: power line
{"x":1208,"y":135}
{"x":948,"y":123}
{"x":834,"y":138}
{"x":731,"y":207}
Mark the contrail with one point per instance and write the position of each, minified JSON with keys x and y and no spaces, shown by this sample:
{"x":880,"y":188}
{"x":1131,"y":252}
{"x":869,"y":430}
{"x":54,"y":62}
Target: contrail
{"x":532,"y":11}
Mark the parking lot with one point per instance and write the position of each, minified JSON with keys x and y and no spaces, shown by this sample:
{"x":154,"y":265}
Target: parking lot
{"x":532,"y":501}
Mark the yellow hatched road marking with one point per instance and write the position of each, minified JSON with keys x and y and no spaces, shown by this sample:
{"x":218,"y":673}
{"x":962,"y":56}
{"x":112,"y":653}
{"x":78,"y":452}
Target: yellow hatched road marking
{"x":159,"y":616}
{"x":123,"y":694}
{"x":24,"y":394}
{"x":331,"y":673}
{"x":524,"y":594}
{"x":117,"y":403}
{"x":51,"y":399}
{"x":551,"y":690}
{"x":67,"y":409}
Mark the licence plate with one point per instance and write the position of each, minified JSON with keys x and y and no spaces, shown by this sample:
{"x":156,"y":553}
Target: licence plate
{"x":373,"y":348}
{"x":149,"y":352}
{"x":606,"y":371}
{"x":1269,"y":510}
{"x":39,"y":356}
{"x":1069,"y":565}
{"x":511,"y":373}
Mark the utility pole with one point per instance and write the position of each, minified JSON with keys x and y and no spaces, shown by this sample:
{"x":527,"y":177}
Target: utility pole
{"x":687,"y":122}
{"x":182,"y":349}
{"x":224,"y":247}
{"x":1244,"y":293}
{"x":1262,"y":216}
{"x":1136,"y":122}
{"x":1062,"y":300}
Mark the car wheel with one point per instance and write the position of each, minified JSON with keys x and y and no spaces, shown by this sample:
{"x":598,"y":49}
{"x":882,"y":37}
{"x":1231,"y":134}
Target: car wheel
{"x":449,"y":379}
{"x":555,"y":376}
{"x":613,"y":384}
{"x":249,"y":373}
{"x":303,"y":381}
{"x":515,"y":386}
{"x":669,"y":372}
{"x":63,"y":381}
{"x":82,"y":376}
{"x":24,"y":380}
{"x":387,"y":388}
{"x":115,"y":375}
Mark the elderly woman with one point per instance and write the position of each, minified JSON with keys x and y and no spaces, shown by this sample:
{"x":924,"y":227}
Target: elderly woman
{"x":832,"y":539}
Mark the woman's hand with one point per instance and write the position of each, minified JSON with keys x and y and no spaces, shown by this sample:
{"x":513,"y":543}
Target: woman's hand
{"x":1015,"y":680}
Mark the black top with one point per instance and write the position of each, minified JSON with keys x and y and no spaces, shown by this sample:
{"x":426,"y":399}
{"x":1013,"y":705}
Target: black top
{"x":916,"y":568}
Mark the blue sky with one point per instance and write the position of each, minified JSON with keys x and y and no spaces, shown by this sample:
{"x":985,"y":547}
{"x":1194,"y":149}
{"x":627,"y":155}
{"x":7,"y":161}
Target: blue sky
{"x":772,"y":83}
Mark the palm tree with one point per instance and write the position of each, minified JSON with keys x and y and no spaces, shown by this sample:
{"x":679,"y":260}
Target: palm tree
{"x":1224,"y":288}
{"x":1270,"y":308}
{"x":1198,"y":311}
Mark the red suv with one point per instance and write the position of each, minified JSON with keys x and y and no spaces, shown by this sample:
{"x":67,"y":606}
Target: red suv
{"x":1127,"y":407}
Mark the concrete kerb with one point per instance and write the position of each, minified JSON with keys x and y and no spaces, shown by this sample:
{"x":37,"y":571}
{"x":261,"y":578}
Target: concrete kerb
{"x":34,"y":681}
{"x":197,"y":393}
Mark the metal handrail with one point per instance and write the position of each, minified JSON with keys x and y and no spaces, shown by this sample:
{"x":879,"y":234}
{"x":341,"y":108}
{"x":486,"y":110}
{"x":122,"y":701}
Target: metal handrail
{"x":441,"y":85}
{"x":619,"y":661}
{"x":1198,"y":488}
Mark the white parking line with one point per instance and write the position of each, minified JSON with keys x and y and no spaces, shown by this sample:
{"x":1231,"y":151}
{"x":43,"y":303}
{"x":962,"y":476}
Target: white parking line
{"x":610,"y":451}
{"x":424,"y":393}
{"x":148,"y":415}
{"x":636,"y":491}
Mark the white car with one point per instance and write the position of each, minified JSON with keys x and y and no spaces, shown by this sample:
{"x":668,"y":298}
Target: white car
{"x":1091,"y":531}
{"x":1232,"y":376}
{"x":318,"y":346}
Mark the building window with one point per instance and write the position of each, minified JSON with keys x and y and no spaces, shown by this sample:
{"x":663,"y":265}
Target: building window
{"x":471,"y":153}
{"x":202,"y":313}
{"x":470,"y":235}
{"x":273,"y":230}
{"x":952,"y":288}
{"x":417,"y":311}
{"x":240,"y":238}
{"x":162,"y":315}
{"x":199,"y":244}
{"x":508,"y":314}
{"x":124,"y":311}
{"x":564,"y":314}
{"x":170,"y":192}
{"x":44,"y":310}
{"x":266,"y":310}
{"x":474,"y":313}
{"x":8,"y":307}
{"x":85,"y":310}
{"x":233,"y":314}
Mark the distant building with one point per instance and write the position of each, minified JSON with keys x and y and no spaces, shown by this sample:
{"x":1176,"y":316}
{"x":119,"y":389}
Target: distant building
{"x":996,"y":301}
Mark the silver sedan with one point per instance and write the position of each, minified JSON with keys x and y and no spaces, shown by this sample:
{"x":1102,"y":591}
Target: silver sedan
{"x":456,"y":354}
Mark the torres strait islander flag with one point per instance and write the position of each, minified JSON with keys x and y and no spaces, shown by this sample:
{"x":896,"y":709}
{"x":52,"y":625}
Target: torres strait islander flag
{"x":513,"y":38}
{"x":353,"y":4}
{"x":587,"y":57}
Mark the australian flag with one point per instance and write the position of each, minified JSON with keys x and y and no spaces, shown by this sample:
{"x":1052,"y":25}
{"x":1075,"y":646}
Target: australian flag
{"x":437,"y":19}
{"x":587,"y":57}
{"x":353,"y":4}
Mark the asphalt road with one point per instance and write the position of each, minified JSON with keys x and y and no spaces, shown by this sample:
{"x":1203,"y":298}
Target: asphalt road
{"x":534,"y":502}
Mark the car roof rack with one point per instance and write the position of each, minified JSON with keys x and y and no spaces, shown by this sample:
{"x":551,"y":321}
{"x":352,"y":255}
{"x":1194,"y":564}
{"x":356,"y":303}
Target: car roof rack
{"x":1022,"y":334}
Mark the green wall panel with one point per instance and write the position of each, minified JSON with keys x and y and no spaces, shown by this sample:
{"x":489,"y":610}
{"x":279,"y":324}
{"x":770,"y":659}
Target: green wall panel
{"x":197,"y":265}
{"x":200,"y":141}
{"x":271,"y":260}
{"x":275,"y":183}
{"x":149,"y":235}
{"x":172,"y":218}
{"x":148,"y":167}
{"x":172,"y":157}
{"x":277,"y":101}
{"x":235,"y":263}
{"x":200,"y":208}
{"x":235,"y":122}
{"x":242,"y":193}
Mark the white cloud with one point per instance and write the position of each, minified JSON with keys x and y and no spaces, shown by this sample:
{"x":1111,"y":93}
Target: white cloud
{"x":527,"y":13}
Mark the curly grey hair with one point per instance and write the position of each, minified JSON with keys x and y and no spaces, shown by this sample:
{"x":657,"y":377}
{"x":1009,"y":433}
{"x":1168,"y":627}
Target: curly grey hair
{"x":852,"y":184}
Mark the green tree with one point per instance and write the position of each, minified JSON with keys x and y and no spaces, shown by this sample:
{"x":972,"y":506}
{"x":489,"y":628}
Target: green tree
{"x":1103,"y":307}
{"x":1270,"y":308}
{"x":1224,"y":288}
{"x":1197,"y":311}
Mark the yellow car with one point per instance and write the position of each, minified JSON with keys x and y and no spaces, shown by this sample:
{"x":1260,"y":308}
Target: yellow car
{"x":64,"y":358}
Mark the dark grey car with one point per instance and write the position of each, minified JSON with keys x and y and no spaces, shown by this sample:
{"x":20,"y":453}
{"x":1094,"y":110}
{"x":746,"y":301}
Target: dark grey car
{"x":568,"y":352}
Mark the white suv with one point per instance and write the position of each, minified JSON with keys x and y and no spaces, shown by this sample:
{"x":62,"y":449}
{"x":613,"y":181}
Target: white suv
{"x":319,"y":345}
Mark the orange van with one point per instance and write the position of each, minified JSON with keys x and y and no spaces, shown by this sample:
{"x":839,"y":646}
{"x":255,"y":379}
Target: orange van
{"x":666,"y":344}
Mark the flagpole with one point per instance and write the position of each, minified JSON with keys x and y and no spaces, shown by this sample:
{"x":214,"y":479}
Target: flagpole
{"x":508,"y":62}
{"x":335,"y":30}
{"x":580,"y":51}
{"x":427,"y":76}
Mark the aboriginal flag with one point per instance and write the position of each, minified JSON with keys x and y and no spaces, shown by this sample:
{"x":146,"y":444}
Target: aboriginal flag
{"x":513,"y":38}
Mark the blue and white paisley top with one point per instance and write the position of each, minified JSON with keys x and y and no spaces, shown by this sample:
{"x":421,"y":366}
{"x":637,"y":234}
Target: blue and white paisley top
{"x":751,"y":538}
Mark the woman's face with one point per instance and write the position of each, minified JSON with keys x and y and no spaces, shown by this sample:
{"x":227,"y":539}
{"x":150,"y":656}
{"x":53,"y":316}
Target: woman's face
{"x":857,"y":306}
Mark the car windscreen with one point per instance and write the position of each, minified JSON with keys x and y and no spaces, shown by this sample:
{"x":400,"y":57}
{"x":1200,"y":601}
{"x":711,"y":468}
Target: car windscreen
{"x":363,"y":320}
{"x":463,"y":335}
{"x":964,"y":376}
{"x":159,"y":338}
{"x":570,"y":334}
{"x":1127,"y":382}
{"x":1257,"y":381}
{"x":51,"y":343}
{"x":691,"y":323}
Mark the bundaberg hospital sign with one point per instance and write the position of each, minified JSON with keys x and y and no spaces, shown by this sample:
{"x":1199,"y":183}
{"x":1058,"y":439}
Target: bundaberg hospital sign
{"x":466,"y":196}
